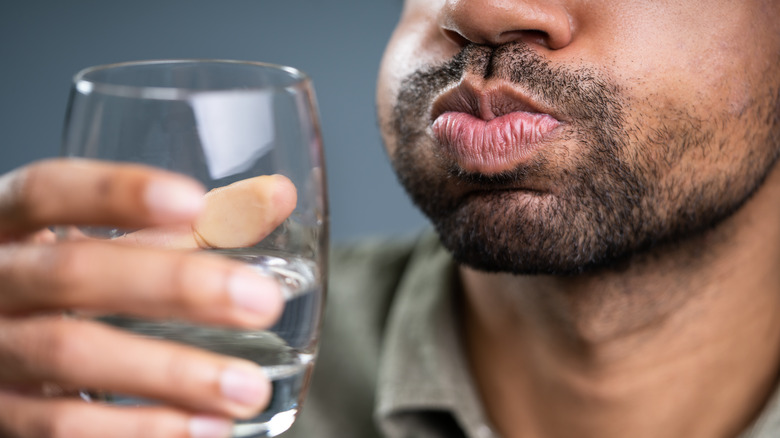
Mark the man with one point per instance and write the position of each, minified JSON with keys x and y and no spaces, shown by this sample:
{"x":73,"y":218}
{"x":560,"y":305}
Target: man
{"x":603,"y":175}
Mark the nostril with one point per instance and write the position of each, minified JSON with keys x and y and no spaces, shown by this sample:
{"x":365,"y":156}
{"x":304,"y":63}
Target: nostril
{"x":532,"y":37}
{"x":455,"y":37}
{"x":537,"y":37}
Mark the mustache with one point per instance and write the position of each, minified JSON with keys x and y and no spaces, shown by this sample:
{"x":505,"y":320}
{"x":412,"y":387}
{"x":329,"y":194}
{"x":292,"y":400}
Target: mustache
{"x":588,"y":99}
{"x":582,"y":95}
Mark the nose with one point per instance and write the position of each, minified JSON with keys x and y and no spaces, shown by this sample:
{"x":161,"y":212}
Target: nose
{"x":493,"y":22}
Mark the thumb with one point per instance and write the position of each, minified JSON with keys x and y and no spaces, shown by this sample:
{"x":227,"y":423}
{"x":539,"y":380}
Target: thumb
{"x":235,"y":216}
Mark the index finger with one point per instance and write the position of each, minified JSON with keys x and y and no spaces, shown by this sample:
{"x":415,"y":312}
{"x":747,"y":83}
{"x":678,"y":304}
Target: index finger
{"x":86,"y":192}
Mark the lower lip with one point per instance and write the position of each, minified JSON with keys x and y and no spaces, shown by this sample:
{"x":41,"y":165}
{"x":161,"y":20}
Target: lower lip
{"x":493,"y":146}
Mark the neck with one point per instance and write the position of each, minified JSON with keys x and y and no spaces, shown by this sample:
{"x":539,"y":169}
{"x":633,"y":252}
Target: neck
{"x":680,"y":342}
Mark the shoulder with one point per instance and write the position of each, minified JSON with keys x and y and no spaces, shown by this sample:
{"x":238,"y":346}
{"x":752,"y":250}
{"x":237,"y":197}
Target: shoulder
{"x":371,"y":256}
{"x":365,"y":276}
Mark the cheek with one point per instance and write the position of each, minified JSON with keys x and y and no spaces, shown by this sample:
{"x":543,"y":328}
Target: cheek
{"x":416,"y":43}
{"x":401,"y":58}
{"x":391,"y":73}
{"x":387,"y":86}
{"x":688,"y":51}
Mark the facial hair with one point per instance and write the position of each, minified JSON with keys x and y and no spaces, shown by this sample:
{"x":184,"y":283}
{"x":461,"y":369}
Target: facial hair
{"x":615,"y":191}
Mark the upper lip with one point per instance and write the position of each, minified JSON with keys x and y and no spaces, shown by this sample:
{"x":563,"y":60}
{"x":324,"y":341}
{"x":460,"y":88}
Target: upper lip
{"x":486,"y":101}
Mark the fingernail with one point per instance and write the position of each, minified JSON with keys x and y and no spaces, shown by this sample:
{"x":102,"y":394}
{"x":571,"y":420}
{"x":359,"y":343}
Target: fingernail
{"x":171,"y":199}
{"x":210,"y":427}
{"x":255,"y":293}
{"x":245,"y":385}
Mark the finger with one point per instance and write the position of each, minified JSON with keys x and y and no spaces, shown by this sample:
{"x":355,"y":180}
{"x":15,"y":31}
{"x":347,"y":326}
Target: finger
{"x":70,"y":191}
{"x":95,"y":275}
{"x":85,"y":354}
{"x":26,"y":417}
{"x":235,"y":216}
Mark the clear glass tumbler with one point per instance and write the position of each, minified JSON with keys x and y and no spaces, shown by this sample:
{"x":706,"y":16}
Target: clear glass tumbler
{"x":221,"y":122}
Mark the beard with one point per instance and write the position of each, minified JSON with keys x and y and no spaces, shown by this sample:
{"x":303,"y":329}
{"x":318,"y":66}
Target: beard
{"x":607,"y":188}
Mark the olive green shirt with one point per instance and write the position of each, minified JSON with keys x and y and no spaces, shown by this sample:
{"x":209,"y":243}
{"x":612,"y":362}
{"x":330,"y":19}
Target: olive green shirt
{"x":391,"y":362}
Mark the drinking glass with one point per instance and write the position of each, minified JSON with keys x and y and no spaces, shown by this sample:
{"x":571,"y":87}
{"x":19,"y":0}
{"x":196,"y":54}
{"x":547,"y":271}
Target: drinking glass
{"x":221,"y":122}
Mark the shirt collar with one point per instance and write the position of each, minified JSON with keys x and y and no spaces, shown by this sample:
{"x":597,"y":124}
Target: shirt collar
{"x":423,"y":366}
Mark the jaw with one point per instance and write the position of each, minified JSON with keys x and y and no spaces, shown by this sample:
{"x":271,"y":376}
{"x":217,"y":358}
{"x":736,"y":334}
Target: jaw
{"x":610,"y":349}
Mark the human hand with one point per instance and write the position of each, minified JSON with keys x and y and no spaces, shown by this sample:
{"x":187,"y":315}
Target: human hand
{"x":45,"y":356}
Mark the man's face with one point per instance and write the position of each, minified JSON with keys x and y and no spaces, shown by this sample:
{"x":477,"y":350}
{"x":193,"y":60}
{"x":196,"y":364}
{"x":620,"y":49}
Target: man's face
{"x":561,"y":136}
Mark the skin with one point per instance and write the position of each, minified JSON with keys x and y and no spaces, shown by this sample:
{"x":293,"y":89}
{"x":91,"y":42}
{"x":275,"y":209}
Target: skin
{"x":676,"y":339}
{"x":44,"y":356}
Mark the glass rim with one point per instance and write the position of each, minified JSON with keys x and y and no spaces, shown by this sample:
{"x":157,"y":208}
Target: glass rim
{"x":87,"y":86}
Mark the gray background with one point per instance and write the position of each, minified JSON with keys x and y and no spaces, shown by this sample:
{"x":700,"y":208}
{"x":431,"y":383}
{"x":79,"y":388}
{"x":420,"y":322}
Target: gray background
{"x":338,"y":42}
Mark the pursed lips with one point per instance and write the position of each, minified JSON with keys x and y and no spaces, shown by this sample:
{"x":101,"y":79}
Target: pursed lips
{"x":489,"y":128}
